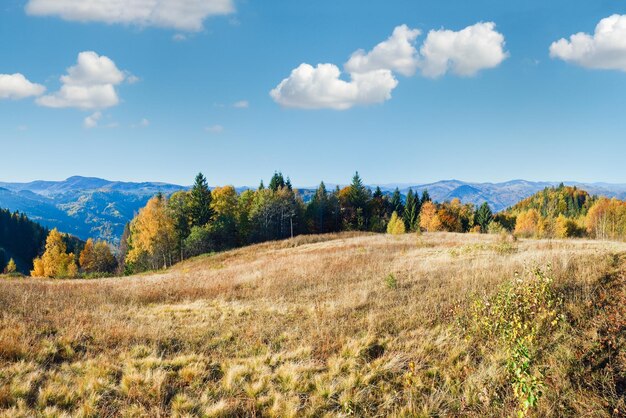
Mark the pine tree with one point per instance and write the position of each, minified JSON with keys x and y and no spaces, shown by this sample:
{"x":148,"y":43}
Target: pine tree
{"x":200,"y":202}
{"x":425,"y":197}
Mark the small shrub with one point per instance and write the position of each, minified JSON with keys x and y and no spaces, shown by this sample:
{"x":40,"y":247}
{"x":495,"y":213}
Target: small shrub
{"x":391,"y":282}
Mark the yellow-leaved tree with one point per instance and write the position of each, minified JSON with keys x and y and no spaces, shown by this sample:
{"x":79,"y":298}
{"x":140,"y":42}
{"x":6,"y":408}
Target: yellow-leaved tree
{"x":97,"y":257}
{"x":55,"y":261}
{"x":395,"y":225}
{"x":429,"y":219}
{"x":527,"y":223}
{"x":11,"y":267}
{"x":152,"y":236}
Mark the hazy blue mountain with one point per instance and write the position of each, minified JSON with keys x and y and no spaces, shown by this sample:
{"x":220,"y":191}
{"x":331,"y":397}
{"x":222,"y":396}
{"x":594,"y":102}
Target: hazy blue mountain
{"x":93,"y":207}
{"x":82,"y":206}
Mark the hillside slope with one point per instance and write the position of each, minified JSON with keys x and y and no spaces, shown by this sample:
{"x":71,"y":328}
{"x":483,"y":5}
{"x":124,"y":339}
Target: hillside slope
{"x":363,"y":325}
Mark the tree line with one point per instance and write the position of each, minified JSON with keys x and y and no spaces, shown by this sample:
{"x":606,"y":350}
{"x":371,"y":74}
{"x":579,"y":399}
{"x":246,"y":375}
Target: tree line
{"x":204,"y":220}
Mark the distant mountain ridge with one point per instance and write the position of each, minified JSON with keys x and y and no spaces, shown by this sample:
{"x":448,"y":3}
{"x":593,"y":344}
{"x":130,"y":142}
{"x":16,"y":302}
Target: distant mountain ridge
{"x":98,"y":208}
{"x":83,"y":206}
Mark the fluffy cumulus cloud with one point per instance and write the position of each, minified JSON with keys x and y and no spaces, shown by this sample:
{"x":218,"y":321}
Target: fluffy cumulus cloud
{"x":320,"y":87}
{"x":397,"y":53}
{"x":184,"y":15}
{"x":463,"y":52}
{"x":90,"y":84}
{"x":16,"y":86}
{"x":605,"y":49}
{"x":371,"y":77}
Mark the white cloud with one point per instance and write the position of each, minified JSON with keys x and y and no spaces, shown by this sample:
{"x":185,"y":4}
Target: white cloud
{"x":184,"y":15}
{"x":320,"y":87}
{"x":605,"y":49}
{"x":16,"y":86}
{"x":397,"y":53}
{"x":464,"y":53}
{"x":215,"y":129}
{"x":371,"y":73}
{"x":91,"y":121}
{"x":90,"y":84}
{"x":144,"y":123}
{"x":242,"y":104}
{"x":179,"y":37}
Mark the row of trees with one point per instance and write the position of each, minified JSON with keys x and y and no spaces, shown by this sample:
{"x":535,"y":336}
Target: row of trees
{"x":201,"y":220}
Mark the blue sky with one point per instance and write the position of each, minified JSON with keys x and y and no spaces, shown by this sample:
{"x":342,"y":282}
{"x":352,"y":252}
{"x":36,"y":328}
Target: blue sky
{"x":191,"y":93}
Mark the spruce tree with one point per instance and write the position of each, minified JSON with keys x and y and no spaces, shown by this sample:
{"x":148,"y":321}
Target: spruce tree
{"x":396,"y":202}
{"x":425,"y":197}
{"x":411,"y":211}
{"x":484,"y":216}
{"x":200,"y":202}
{"x":277,"y":181}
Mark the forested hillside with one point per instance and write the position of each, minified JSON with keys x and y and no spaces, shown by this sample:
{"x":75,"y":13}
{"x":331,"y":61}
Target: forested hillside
{"x":22,"y":240}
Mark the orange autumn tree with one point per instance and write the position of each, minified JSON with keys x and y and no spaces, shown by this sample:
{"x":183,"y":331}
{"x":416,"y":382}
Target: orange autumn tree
{"x":429,"y":219}
{"x":55,"y":261}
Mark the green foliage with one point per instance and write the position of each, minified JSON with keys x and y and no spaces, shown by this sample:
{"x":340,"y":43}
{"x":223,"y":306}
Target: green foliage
{"x":391,"y":282}
{"x":411,"y":212}
{"x":554,"y":201}
{"x":200,"y":202}
{"x":199,"y":241}
{"x":521,"y":316}
{"x":483,"y":217}
{"x":20,"y":239}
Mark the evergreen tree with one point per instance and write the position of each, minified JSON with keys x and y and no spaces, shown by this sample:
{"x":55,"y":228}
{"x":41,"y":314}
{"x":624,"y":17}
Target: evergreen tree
{"x":411,"y":211}
{"x":200,"y":202}
{"x":396,"y":202}
{"x":277,"y":181}
{"x":358,"y":198}
{"x":261,"y":186}
{"x":425,"y":197}
{"x":483,"y":217}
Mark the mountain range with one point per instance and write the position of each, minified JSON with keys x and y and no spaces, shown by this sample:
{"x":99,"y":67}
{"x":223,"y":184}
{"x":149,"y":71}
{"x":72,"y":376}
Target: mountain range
{"x":97,"y":208}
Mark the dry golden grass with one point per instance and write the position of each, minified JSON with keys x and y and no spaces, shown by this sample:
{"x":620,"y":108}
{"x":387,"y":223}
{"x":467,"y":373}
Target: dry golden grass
{"x":336,"y":325}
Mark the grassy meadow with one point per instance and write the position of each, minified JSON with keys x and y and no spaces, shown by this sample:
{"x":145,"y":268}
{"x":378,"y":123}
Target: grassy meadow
{"x":349,"y":324}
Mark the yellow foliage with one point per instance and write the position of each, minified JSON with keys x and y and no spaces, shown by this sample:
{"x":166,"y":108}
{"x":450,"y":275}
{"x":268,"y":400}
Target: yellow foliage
{"x":429,"y":219}
{"x":395,"y":225}
{"x":152,"y":234}
{"x":606,"y":219}
{"x":55,"y":261}
{"x":527,"y":223}
{"x":225,"y":201}
{"x":11,"y":267}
